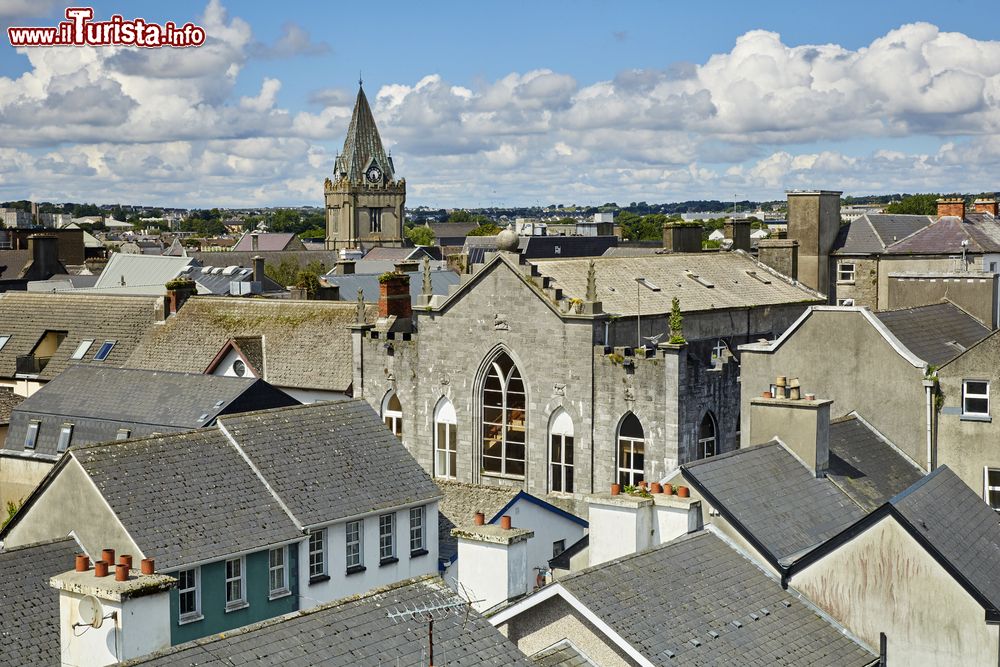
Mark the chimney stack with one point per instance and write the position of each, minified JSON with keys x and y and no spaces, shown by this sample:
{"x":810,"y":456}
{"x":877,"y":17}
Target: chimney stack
{"x":44,"y":255}
{"x":394,"y":296}
{"x":782,"y":255}
{"x":739,"y":232}
{"x":254,"y":241}
{"x":493,"y":561}
{"x":802,"y":424}
{"x":682,"y":236}
{"x":344,"y":267}
{"x":987,"y":206}
{"x":951,"y":206}
{"x":258,"y":269}
{"x":179,"y":290}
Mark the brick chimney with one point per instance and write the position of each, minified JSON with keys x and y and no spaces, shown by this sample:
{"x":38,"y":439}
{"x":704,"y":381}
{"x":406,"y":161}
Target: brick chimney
{"x":987,"y":206}
{"x":179,"y":290}
{"x":682,"y":236}
{"x":394,"y":296}
{"x":802,"y":424}
{"x":951,"y":206}
{"x":739,"y":232}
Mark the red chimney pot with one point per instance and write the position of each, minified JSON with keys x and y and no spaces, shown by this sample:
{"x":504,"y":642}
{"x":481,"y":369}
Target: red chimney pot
{"x":479,"y":518}
{"x":505,"y":522}
{"x":121,"y":572}
{"x":101,"y":568}
{"x":108,"y":556}
{"x":82,"y":563}
{"x":148,"y":566}
{"x":126,"y":559}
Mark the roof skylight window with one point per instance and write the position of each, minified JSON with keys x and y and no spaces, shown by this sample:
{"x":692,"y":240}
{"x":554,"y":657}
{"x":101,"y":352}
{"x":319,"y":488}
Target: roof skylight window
{"x":105,"y":350}
{"x":82,"y":349}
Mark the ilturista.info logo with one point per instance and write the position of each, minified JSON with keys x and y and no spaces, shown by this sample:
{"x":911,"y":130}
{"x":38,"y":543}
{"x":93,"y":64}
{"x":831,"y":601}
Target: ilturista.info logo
{"x":79,"y":29}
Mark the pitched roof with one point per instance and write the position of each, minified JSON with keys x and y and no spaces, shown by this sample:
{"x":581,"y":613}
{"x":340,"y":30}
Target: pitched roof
{"x":736,"y":281}
{"x":441,"y":280}
{"x":771,"y":497}
{"x":25,"y":317}
{"x":945,"y":236}
{"x":306,"y":343}
{"x":935,"y":333}
{"x":12,"y":263}
{"x":704,"y":586}
{"x":326,"y":258}
{"x":561,"y":654}
{"x":458,"y":507}
{"x":451,"y":230}
{"x":194,"y":485}
{"x":870,"y":234}
{"x":139,"y":275}
{"x":355,"y":632}
{"x":362,"y":144}
{"x":98,"y":401}
{"x":29,"y":608}
{"x":865,"y":466}
{"x":268,"y":241}
{"x":330,"y":460}
{"x":542,"y":247}
{"x":8,"y":401}
{"x":388,"y":253}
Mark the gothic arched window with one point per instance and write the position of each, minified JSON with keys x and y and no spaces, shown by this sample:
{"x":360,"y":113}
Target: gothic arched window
{"x":504,"y":418}
{"x":707,"y":437}
{"x":631,"y":451}
{"x":561,"y":452}
{"x":392,"y":413}
{"x":445,"y":440}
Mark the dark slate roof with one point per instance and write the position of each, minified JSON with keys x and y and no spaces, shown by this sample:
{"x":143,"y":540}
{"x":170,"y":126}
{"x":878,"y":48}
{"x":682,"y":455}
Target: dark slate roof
{"x":561,"y":654}
{"x":451,"y":230}
{"x":327,"y":258}
{"x":947,"y":234}
{"x":458,"y":507}
{"x":931,"y":332}
{"x":665,"y":600}
{"x":219,"y":279}
{"x":186,"y":498}
{"x":865,"y":466}
{"x":29,"y":607}
{"x":769,"y":495}
{"x":872,"y":233}
{"x":959,"y":526}
{"x":349,"y":284}
{"x":362,"y":145}
{"x":387,"y":253}
{"x":12,"y":263}
{"x":27,"y":316}
{"x":355,"y":632}
{"x":306,"y":343}
{"x":546,"y":247}
{"x":331,"y":460}
{"x":98,"y":401}
{"x":267,"y":241}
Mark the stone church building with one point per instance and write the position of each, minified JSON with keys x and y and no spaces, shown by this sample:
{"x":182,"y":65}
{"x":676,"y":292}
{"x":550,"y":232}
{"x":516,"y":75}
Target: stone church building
{"x":557,"y":375}
{"x":364,"y":200}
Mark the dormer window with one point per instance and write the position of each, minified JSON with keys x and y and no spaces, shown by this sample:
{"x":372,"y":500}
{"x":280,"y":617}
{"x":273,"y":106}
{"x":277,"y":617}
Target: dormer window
{"x":82,"y":349}
{"x":105,"y":350}
{"x":31,"y":437}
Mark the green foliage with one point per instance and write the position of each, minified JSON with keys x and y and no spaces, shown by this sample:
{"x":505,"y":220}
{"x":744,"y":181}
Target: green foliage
{"x":387,"y":276}
{"x":644,"y":227}
{"x":487,"y":229}
{"x":12,"y":508}
{"x":915,"y":205}
{"x":676,"y":322}
{"x":288,"y":272}
{"x":465,"y":216}
{"x":308,"y":281}
{"x":420,"y":236}
{"x":313,"y":234}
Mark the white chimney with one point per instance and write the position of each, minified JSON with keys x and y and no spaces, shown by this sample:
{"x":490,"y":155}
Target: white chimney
{"x":111,"y":614}
{"x":493,"y":562}
{"x":624,"y":524}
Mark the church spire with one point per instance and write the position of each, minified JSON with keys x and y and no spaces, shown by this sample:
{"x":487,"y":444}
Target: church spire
{"x":363,"y":149}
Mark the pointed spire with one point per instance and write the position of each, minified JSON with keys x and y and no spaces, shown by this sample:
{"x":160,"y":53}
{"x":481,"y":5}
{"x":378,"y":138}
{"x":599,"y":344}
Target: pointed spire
{"x":363,"y":145}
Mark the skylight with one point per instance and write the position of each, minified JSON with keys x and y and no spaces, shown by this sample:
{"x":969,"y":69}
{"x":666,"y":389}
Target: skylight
{"x":82,"y":348}
{"x":3,"y":341}
{"x":32,"y":435}
{"x":105,"y":350}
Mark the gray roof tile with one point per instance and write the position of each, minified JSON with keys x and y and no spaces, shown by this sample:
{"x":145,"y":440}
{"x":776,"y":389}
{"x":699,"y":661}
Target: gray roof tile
{"x":355,"y":632}
{"x":775,"y":498}
{"x":562,"y":654}
{"x":667,"y":600}
{"x":936,"y":333}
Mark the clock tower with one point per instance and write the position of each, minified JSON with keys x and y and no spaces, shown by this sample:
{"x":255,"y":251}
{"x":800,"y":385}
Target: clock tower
{"x":364,"y":199}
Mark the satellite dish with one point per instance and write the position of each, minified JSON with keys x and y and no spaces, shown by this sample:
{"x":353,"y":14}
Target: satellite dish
{"x":91,"y":611}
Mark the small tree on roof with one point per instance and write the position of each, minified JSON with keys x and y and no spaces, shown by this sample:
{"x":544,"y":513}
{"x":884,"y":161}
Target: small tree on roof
{"x":676,"y":323}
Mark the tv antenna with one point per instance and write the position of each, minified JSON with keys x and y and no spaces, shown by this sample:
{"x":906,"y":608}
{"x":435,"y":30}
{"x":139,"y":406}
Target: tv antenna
{"x":433,"y":612}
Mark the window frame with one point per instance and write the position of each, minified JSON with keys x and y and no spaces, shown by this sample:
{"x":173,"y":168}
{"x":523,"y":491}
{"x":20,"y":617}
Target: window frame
{"x":418,"y":531}
{"x":987,"y":487}
{"x":446,"y":456}
{"x":703,"y":441}
{"x":82,"y":349}
{"x":508,"y":424}
{"x":359,"y":556}
{"x":283,"y":589}
{"x":4,"y":339}
{"x":966,"y":396}
{"x":562,"y":440}
{"x":123,"y":434}
{"x":195,"y":615}
{"x":31,"y":435}
{"x":842,"y":272}
{"x":374,"y":220}
{"x":65,"y":437}
{"x":110,"y":344}
{"x":387,"y":539}
{"x":391,"y":417}
{"x":323,"y":573}
{"x":630,"y":475}
{"x":241,"y":602}
{"x":558,"y":547}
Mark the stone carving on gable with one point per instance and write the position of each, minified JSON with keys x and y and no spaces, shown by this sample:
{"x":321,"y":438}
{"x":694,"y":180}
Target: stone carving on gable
{"x":559,"y":390}
{"x":500,"y":322}
{"x":445,"y":381}
{"x":629,"y":393}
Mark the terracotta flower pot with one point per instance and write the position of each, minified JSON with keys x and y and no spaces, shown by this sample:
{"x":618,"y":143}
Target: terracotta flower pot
{"x":683,"y":492}
{"x":655,"y":488}
{"x":616,"y":489}
{"x":668,"y":489}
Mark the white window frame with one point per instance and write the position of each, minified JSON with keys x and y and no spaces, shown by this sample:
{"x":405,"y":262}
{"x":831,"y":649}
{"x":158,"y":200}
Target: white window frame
{"x":561,"y":441}
{"x":4,"y":340}
{"x":709,"y":443}
{"x":241,"y":602}
{"x":124,"y":434}
{"x":281,"y":570}
{"x":626,"y":472}
{"x":31,"y":435}
{"x":446,"y":447}
{"x":65,"y":437}
{"x":111,"y":345}
{"x":966,"y":395}
{"x":82,"y":349}
{"x":845,"y":275}
{"x":987,"y":487}
{"x":392,"y":418}
{"x":355,"y":548}
{"x":387,"y":538}
{"x":195,"y":615}
{"x":418,"y":541}
{"x":317,"y":554}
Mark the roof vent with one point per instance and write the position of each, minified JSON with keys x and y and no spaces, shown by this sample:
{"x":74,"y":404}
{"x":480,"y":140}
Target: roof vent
{"x":698,"y":279}
{"x":219,"y":404}
{"x":758,"y":277}
{"x":229,"y":270}
{"x":713,"y":634}
{"x":737,"y":624}
{"x":695,"y":643}
{"x":206,"y":269}
{"x":765,"y":611}
{"x":754,"y":616}
{"x":786,"y":603}
{"x":203,"y":417}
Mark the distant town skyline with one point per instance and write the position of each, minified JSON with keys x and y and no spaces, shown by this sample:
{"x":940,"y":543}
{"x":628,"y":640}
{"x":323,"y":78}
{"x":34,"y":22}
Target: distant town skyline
{"x":509,"y":104}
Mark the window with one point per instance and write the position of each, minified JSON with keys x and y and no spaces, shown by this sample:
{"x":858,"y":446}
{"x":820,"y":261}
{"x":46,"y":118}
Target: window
{"x":845,"y":272}
{"x":992,"y":491}
{"x":65,"y":435}
{"x":81,"y":349}
{"x":317,"y":554}
{"x":392,"y":413}
{"x":105,"y":350}
{"x":387,"y":538}
{"x":845,"y":302}
{"x":561,"y":452}
{"x":277,"y":573}
{"x":235,"y":585}
{"x":706,"y":437}
{"x":189,"y":595}
{"x":417,"y":530}
{"x":631,"y":445}
{"x":123,"y":434}
{"x":717,"y":349}
{"x":504,"y":418}
{"x":355,"y":546}
{"x":31,"y":437}
{"x":976,"y":398}
{"x":375,"y":216}
{"x":558,"y":547}
{"x":3,"y":341}
{"x":445,"y":440}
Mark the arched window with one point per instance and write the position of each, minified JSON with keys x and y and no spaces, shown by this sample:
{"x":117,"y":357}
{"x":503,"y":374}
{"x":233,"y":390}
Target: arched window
{"x":445,"y":439}
{"x":631,"y":448}
{"x":504,"y":418}
{"x":706,"y":437}
{"x":392,"y":413}
{"x":561,"y":452}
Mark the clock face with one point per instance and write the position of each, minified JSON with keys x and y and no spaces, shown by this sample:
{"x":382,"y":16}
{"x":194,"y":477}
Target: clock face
{"x":373,"y":174}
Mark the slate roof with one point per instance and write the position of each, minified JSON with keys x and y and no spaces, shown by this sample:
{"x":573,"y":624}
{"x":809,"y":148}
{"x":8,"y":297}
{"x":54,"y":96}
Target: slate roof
{"x":545,"y":247}
{"x":768,"y":494}
{"x":29,"y":608}
{"x":959,"y":526}
{"x":947,"y":234}
{"x":25,"y":317}
{"x":330,"y":460}
{"x":561,"y":654}
{"x":362,"y":145}
{"x":269,"y":241}
{"x":98,"y":401}
{"x":390,"y":254}
{"x":728,"y":272}
{"x":458,"y":507}
{"x":306,"y":343}
{"x":194,"y":485}
{"x":217,"y":280}
{"x":872,"y":233}
{"x":666,"y":601}
{"x":12,"y":263}
{"x":451,"y":230}
{"x":349,"y":284}
{"x":931,"y":332}
{"x":865,"y":466}
{"x":327,"y":258}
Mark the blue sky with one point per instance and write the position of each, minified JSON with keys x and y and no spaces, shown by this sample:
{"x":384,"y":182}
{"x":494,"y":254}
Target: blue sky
{"x":511,"y":102}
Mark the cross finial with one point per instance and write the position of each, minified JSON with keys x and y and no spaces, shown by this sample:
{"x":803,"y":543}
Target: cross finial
{"x":361,"y":82}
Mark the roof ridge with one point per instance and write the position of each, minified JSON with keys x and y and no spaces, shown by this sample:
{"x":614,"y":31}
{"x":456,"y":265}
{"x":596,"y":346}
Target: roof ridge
{"x":733,"y":453}
{"x":40,"y":543}
{"x":916,"y":486}
{"x":288,"y":408}
{"x":686,"y":537}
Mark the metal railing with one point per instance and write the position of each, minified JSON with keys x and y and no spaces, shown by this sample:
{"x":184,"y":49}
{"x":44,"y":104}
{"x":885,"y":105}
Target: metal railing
{"x":29,"y":364}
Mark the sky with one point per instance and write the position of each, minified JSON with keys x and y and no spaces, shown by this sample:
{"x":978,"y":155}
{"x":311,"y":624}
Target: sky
{"x":510,"y":103}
